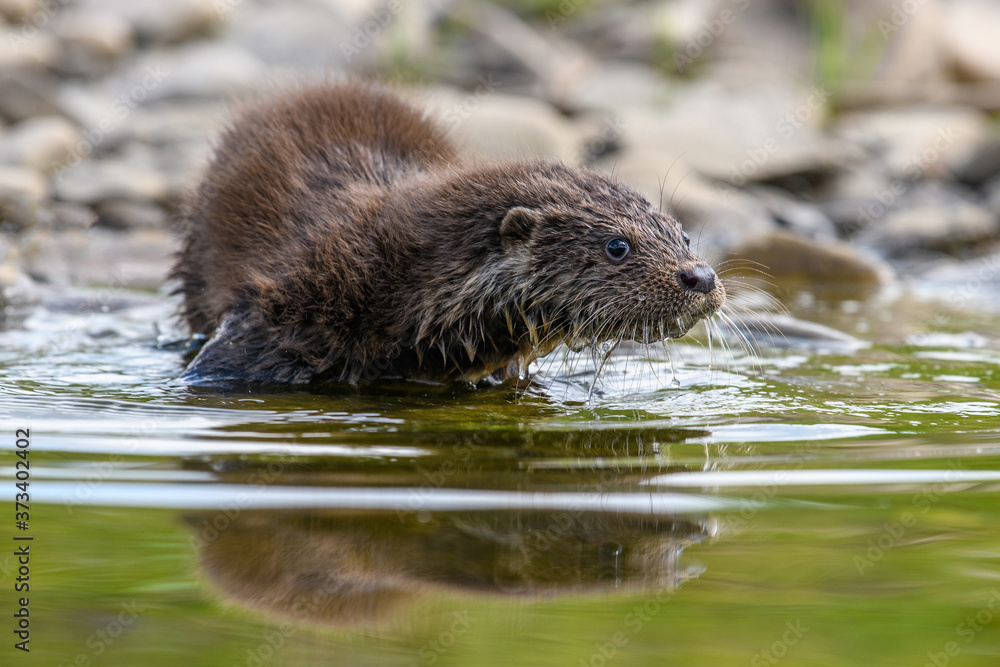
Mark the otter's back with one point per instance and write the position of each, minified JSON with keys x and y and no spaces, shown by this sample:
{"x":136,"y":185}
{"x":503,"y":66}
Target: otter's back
{"x":288,"y":173}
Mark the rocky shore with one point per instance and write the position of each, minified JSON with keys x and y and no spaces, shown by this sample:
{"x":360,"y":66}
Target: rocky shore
{"x":845,"y":144}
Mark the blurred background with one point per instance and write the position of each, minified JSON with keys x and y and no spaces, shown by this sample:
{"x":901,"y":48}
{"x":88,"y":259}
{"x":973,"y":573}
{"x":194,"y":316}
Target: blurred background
{"x":823,"y":500}
{"x":836,"y":143}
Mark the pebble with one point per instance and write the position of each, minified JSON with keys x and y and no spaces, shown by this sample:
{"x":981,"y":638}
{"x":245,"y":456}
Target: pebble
{"x":26,"y":46}
{"x":932,"y":218}
{"x":970,"y":38}
{"x":93,"y":41}
{"x":831,"y":264}
{"x":490,"y":124}
{"x":128,"y":215}
{"x":22,"y":191}
{"x":94,"y":181}
{"x":917,"y":141}
{"x":138,"y":260}
{"x":44,"y":143}
{"x":196,"y":71}
{"x":158,"y":22}
{"x":27,"y":92}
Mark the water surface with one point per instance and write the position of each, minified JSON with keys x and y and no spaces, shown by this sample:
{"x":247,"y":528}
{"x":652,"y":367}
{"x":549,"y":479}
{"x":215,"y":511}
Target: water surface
{"x":802,"y":506}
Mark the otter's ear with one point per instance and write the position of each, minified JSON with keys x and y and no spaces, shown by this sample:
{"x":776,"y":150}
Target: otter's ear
{"x":518,"y":224}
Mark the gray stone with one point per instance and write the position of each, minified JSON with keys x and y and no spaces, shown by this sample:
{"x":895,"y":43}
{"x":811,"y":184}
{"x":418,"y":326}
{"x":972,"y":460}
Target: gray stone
{"x":932,"y":218}
{"x":92,"y":40}
{"x":486,"y":123}
{"x":163,"y":22}
{"x":22,"y":191}
{"x":196,"y":71}
{"x":314,"y":37}
{"x":26,"y":93}
{"x":803,"y":219}
{"x":740,"y":135}
{"x":95,"y":181}
{"x":66,"y":216}
{"x":129,"y":215}
{"x":830,"y":264}
{"x":981,"y":165}
{"x":100,"y":257}
{"x":45,"y":143}
{"x":970,"y":38}
{"x":916,"y":142}
{"x":26,"y":46}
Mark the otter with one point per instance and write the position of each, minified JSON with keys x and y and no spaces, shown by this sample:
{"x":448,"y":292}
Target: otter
{"x":337,"y":237}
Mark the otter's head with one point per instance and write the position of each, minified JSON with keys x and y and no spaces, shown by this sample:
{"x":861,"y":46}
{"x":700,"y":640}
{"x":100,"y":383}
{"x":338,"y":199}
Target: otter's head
{"x":595,"y":261}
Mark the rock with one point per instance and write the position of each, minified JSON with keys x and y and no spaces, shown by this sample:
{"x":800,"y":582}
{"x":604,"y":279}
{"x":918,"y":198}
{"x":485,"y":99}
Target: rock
{"x":915,"y":142}
{"x":203,"y":71}
{"x":851,"y":198}
{"x":783,"y":331}
{"x":932,"y":218}
{"x":19,"y":11}
{"x":129,"y":215}
{"x":92,"y":41}
{"x":787,"y":258}
{"x":27,"y":46}
{"x":17,"y":289}
{"x":102,"y":257}
{"x":66,"y":216}
{"x":981,"y":164}
{"x":159,"y":22}
{"x":22,"y":191}
{"x":486,"y":123}
{"x":739,"y":135}
{"x":94,"y":181}
{"x":26,"y":93}
{"x":45,"y":143}
{"x":618,"y":85}
{"x":970,"y":38}
{"x":315,"y":37}
{"x":803,"y":219}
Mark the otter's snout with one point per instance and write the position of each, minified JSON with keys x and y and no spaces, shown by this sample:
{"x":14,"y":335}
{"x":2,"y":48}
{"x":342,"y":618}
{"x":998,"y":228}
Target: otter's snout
{"x":698,"y":278}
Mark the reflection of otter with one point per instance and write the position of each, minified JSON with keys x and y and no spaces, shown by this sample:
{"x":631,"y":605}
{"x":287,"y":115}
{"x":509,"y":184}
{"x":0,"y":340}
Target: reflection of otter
{"x":337,"y":568}
{"x":337,"y":237}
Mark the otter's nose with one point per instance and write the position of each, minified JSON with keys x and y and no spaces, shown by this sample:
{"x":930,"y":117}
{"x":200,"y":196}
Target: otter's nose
{"x":698,"y":278}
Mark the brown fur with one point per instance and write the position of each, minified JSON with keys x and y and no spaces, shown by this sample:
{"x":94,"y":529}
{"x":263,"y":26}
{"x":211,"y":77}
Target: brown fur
{"x":336,"y":237}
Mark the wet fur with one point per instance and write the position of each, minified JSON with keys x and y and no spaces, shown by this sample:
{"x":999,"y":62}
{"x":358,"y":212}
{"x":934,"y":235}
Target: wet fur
{"x":337,"y":237}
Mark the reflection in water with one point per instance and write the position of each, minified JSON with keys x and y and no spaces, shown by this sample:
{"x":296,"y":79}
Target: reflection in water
{"x":353,"y":568}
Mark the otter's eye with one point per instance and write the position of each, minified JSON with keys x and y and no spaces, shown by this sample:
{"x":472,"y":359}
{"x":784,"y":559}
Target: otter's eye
{"x":687,"y":239}
{"x":617,"y":249}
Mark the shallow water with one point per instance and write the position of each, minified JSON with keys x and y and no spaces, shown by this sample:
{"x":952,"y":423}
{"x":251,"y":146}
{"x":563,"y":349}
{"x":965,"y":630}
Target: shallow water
{"x":799,"y":506}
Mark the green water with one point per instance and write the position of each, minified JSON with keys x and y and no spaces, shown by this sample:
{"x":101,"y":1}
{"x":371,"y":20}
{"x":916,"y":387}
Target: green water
{"x":797,"y":507}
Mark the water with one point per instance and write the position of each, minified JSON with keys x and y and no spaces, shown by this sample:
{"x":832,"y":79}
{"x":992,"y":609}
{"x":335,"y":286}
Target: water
{"x":799,"y":507}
